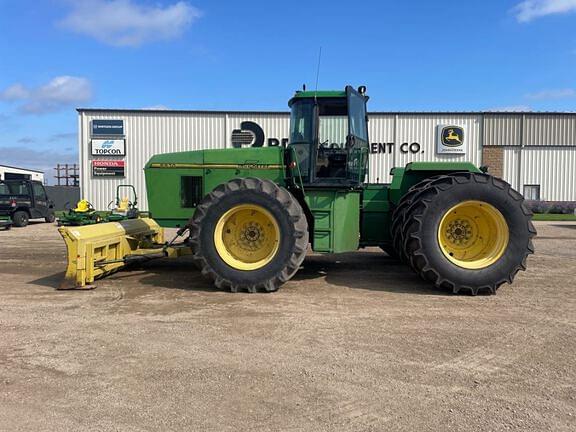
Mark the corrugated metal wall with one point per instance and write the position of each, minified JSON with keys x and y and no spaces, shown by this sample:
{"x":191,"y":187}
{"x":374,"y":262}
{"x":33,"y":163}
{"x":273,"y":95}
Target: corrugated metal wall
{"x":530,"y":129}
{"x":502,"y":129}
{"x":511,"y":166}
{"x":381,"y":130}
{"x":540,"y":149}
{"x":549,"y":130}
{"x":391,"y":137}
{"x":421,"y":129}
{"x":553,"y":169}
{"x":146,"y":134}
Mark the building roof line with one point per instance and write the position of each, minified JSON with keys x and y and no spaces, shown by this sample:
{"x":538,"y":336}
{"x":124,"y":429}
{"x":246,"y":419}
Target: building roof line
{"x":234,"y":112}
{"x":23,"y":169}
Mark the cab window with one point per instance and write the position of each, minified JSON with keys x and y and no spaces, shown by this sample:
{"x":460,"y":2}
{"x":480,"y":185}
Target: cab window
{"x":39,"y":192}
{"x":302,"y":134}
{"x":19,"y":188}
{"x":332,"y":156}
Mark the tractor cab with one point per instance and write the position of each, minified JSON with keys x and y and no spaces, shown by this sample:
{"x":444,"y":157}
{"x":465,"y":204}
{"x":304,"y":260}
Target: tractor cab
{"x":329,"y":136}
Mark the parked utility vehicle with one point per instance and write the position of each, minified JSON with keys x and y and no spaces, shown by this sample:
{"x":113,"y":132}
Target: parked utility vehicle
{"x":22,"y":200}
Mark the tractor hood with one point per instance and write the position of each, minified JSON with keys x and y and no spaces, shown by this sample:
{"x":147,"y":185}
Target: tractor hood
{"x":177,"y":182}
{"x":232,"y":158}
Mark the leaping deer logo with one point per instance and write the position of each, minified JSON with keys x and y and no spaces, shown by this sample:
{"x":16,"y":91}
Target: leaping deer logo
{"x":452,"y":136}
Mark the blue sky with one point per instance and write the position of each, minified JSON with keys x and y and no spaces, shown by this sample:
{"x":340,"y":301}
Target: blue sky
{"x":56,"y":55}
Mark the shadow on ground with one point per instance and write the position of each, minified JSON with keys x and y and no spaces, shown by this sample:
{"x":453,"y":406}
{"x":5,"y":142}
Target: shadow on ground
{"x":373,"y":271}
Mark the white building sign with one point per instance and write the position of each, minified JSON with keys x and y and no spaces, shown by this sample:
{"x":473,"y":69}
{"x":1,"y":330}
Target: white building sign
{"x":108,"y":147}
{"x":450,"y":140}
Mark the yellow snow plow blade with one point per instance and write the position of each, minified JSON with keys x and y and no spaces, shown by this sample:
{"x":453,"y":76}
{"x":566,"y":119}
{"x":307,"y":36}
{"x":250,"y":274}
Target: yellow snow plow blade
{"x":97,"y":250}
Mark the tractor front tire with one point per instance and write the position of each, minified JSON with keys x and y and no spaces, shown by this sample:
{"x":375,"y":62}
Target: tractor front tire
{"x":468,"y":232}
{"x":249,"y":234}
{"x":20,"y":219}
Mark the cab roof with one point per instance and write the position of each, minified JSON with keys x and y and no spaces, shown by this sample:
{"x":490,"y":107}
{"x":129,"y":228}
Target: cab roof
{"x":319,"y":93}
{"x":304,"y":94}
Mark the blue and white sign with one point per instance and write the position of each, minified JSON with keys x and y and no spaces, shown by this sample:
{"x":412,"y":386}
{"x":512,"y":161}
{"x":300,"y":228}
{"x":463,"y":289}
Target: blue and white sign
{"x":108,"y":147}
{"x":107,"y":127}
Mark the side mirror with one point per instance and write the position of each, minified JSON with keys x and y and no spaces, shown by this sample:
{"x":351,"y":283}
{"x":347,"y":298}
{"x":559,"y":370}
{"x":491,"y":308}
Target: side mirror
{"x":350,"y":141}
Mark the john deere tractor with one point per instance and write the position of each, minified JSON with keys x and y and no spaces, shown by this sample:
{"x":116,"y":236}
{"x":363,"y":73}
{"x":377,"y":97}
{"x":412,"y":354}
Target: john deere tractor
{"x":252,"y":213}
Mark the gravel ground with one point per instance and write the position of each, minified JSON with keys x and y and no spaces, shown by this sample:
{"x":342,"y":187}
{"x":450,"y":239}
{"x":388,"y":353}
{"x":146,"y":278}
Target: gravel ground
{"x":355,"y":342}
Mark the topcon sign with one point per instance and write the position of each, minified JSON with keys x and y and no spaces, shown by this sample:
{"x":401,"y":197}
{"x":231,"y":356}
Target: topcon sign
{"x":108,"y":147}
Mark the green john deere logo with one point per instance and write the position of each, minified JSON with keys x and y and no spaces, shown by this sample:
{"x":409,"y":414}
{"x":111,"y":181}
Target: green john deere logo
{"x":452,"y":136}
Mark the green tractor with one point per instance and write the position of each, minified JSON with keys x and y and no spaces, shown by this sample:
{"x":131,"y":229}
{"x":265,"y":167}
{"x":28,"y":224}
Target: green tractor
{"x":252,"y":213}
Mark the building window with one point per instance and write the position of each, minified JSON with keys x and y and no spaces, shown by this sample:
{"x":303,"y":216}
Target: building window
{"x":532,"y":192}
{"x":190,"y":191}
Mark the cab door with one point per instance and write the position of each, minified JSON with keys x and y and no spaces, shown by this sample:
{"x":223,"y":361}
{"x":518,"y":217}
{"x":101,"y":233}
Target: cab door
{"x":41,"y":203}
{"x":357,"y":140}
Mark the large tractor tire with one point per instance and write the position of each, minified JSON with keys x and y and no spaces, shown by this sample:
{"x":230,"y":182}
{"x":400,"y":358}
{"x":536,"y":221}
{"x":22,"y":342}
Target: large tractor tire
{"x":468,"y":232}
{"x":399,"y":218}
{"x":20,"y":219}
{"x":249,"y":234}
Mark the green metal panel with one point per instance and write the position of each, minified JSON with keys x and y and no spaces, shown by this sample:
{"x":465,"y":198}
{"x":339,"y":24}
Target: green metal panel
{"x":164,"y":173}
{"x":378,"y":200}
{"x":227,"y":164}
{"x":404,"y":178}
{"x":376,"y":215}
{"x":336,"y":219}
{"x":441,"y":166}
{"x":318,"y":94}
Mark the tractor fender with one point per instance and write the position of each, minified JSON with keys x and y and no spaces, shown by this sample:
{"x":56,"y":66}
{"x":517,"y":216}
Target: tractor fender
{"x":415,"y":172}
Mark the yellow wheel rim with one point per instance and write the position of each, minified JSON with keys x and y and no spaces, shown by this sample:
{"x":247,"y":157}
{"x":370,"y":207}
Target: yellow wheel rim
{"x":473,"y":234}
{"x":247,"y":237}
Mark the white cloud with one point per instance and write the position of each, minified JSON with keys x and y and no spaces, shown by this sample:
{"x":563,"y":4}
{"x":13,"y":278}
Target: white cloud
{"x":126,"y":23}
{"x":14,"y":92}
{"x":511,"y":108}
{"x":68,"y":136}
{"x":156,"y":108}
{"x":529,"y":10}
{"x":553,"y":94}
{"x":59,"y":93}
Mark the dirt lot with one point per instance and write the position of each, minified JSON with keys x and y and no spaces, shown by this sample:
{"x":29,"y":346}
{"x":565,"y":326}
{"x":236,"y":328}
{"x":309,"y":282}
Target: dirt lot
{"x":355,"y":343}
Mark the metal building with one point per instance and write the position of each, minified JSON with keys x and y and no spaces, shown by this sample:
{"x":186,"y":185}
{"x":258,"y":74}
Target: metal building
{"x":535,"y":152}
{"x":15,"y":173}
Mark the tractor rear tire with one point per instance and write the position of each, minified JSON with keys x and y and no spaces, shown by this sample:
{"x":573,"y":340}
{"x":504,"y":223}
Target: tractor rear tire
{"x":468,"y":232}
{"x":399,"y":218}
{"x":20,"y":219}
{"x":249,"y":234}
